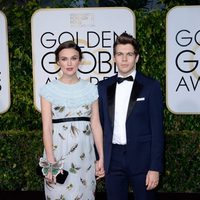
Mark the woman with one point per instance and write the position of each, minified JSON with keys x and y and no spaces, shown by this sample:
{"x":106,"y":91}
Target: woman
{"x":71,"y":126}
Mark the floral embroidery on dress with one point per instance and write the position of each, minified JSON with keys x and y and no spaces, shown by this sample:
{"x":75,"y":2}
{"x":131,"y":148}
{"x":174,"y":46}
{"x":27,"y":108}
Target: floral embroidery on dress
{"x":60,"y":109}
{"x":74,"y":169}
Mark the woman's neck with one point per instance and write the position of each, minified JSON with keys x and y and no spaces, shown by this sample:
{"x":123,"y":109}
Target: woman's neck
{"x":69,"y":80}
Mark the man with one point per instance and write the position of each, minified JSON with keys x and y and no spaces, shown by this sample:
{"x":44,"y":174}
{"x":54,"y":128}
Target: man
{"x":131,"y":114}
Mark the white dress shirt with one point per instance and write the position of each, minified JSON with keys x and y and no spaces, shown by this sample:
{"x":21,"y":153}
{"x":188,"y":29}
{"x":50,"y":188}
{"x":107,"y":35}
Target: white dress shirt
{"x":122,"y":96}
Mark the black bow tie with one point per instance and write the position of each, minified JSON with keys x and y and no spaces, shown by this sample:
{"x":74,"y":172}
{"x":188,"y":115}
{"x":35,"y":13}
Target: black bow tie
{"x":120,"y":79}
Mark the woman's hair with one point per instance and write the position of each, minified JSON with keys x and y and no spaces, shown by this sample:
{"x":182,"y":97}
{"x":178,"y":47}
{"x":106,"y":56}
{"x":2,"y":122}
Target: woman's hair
{"x":68,"y":45}
{"x":126,"y":38}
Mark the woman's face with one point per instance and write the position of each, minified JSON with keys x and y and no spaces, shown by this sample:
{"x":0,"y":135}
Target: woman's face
{"x":69,"y":61}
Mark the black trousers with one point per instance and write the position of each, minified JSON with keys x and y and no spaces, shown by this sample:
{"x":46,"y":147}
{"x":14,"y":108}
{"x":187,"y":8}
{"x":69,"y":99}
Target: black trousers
{"x":119,"y":178}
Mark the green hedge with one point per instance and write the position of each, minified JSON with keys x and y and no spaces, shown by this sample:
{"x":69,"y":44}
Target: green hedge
{"x":182,"y":162}
{"x":150,"y":31}
{"x":20,"y":152}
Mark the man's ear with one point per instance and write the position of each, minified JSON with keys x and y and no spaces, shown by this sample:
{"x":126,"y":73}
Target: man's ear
{"x":137,"y":58}
{"x":113,"y":58}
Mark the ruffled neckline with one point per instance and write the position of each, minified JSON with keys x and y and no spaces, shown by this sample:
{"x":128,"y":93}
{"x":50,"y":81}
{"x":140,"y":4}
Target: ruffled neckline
{"x":68,"y":84}
{"x":79,"y":93}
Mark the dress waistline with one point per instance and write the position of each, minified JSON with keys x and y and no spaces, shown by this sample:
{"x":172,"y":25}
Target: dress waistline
{"x":70,"y":119}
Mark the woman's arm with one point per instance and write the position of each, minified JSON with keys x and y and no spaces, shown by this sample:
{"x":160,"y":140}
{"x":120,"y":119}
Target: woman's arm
{"x":98,"y":137}
{"x":47,"y":129}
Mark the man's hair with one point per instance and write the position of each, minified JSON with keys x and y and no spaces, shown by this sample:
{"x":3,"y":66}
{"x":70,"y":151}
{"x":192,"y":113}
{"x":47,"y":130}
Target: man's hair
{"x":68,"y":45}
{"x":126,"y":38}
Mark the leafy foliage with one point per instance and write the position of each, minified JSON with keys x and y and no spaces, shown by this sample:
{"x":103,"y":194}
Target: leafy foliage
{"x":182,"y":157}
{"x":171,"y":3}
{"x":128,"y":3}
{"x":23,"y":116}
{"x":150,"y":32}
{"x":20,"y":152}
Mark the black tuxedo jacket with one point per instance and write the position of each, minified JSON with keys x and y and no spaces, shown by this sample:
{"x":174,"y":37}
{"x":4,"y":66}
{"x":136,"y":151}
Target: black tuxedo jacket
{"x":144,"y":123}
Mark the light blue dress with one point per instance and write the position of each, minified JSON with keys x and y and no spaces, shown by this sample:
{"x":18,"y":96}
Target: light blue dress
{"x":72,"y":140}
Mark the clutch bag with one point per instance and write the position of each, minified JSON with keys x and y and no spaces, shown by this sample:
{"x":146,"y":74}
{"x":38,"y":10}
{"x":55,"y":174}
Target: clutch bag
{"x":60,"y":178}
{"x":43,"y":167}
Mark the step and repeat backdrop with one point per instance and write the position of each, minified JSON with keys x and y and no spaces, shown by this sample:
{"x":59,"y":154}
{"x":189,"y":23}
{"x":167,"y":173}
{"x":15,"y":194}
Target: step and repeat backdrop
{"x":94,"y":30}
{"x":4,"y":65}
{"x":183,"y":60}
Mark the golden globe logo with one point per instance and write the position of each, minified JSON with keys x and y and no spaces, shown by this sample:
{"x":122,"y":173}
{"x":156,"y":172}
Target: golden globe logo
{"x":96,"y":47}
{"x":187,"y":60}
{"x":183,"y":60}
{"x":93,"y":29}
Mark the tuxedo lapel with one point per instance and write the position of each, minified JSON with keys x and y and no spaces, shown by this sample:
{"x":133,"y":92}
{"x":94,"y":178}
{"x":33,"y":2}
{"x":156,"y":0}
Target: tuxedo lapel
{"x":111,"y":101}
{"x":137,"y":87}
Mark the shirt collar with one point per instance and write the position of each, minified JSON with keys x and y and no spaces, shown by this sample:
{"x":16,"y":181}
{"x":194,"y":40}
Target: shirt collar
{"x":133,"y":74}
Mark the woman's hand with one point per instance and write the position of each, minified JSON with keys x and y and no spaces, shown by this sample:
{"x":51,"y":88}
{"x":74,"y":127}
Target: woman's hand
{"x":50,"y":178}
{"x":100,"y":173}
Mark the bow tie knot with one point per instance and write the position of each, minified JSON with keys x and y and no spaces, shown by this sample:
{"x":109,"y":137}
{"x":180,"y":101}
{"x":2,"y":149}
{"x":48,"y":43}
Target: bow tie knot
{"x":120,"y":79}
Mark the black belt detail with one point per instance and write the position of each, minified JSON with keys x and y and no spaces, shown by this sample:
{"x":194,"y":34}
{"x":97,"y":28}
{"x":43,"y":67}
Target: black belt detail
{"x":70,"y":119}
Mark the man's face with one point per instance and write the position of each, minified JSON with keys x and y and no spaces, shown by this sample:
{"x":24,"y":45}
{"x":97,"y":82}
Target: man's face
{"x":125,"y":58}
